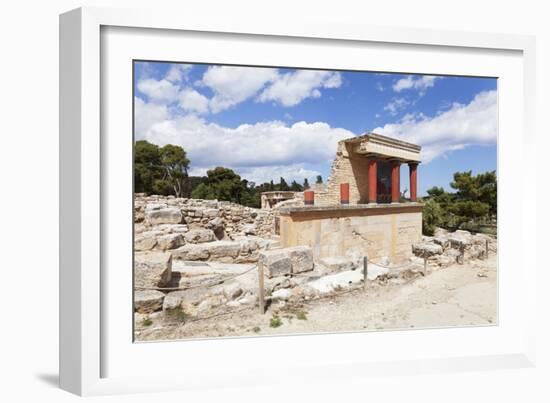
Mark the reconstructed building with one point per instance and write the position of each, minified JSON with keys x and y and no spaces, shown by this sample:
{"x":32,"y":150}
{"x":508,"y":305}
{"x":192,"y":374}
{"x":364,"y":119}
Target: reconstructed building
{"x":271,"y":199}
{"x":362,"y":211}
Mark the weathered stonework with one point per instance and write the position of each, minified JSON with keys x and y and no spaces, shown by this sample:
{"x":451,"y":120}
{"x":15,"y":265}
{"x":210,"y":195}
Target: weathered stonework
{"x":374,"y":231}
{"x":351,"y":166}
{"x":227,"y":220}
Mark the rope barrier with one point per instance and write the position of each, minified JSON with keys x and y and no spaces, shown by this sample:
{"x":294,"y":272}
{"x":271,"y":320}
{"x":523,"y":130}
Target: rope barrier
{"x":248,"y":308}
{"x":221,"y":281}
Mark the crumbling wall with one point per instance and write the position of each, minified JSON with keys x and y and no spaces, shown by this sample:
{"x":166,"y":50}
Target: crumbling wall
{"x":346,"y":167}
{"x":227,"y":220}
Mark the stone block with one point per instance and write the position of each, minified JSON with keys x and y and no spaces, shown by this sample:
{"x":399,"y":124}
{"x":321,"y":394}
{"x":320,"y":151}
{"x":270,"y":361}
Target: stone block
{"x":145,"y":242}
{"x":199,"y":235}
{"x":191,"y":252}
{"x":148,"y":301}
{"x":301,"y":258}
{"x":169,"y":215}
{"x":275,"y":262}
{"x":426,"y":249}
{"x":170,"y":241}
{"x":152,"y":269}
{"x":338,"y":263}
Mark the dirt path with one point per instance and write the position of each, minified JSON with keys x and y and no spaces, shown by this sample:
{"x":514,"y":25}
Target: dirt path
{"x":460,"y":295}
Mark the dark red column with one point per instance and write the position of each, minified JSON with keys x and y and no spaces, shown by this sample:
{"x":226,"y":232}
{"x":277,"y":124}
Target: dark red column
{"x":309,"y":198}
{"x":372,"y":177}
{"x":412,"y":179}
{"x":344,"y":193}
{"x":395,"y":193}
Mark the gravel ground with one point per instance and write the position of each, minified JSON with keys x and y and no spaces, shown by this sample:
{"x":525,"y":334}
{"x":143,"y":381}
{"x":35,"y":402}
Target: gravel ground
{"x":459,"y":295}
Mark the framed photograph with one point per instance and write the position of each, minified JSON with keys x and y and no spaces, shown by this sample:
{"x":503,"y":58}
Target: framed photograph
{"x":250,"y":203}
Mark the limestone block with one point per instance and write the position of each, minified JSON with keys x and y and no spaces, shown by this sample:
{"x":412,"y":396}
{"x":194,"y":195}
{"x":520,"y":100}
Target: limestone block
{"x":155,"y":206}
{"x":191,"y":252}
{"x":199,"y":235}
{"x":249,"y":229}
{"x":148,"y":301}
{"x":169,"y":215}
{"x":173,"y":300}
{"x":224,"y":251}
{"x":152,"y":269}
{"x":173,"y":228}
{"x":210,"y":212}
{"x":144,"y":242}
{"x":301,"y":258}
{"x":338,"y":263}
{"x":170,"y":241}
{"x":426,"y":249}
{"x":232,"y":291}
{"x":275,"y":262}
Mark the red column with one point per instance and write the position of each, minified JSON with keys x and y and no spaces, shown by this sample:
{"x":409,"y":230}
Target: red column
{"x":412,"y":179}
{"x":395,"y":193}
{"x":309,"y":198}
{"x":344,"y":193}
{"x":372,"y":177}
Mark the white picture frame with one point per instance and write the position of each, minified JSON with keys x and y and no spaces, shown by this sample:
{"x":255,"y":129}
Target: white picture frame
{"x":85,"y":302}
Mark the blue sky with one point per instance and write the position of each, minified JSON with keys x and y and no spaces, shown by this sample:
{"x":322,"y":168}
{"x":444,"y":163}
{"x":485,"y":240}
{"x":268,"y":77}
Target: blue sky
{"x":271,"y":122}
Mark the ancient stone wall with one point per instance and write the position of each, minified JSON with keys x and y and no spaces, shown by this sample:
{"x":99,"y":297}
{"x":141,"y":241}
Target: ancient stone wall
{"x":227,"y":220}
{"x":346,"y":168}
{"x":375,"y":235}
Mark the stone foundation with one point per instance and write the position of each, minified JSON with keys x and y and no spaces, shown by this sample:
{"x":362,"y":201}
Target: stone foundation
{"x":386,"y":230}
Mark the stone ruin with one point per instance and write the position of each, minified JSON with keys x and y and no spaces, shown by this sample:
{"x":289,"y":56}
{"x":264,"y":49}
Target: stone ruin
{"x":201,"y":257}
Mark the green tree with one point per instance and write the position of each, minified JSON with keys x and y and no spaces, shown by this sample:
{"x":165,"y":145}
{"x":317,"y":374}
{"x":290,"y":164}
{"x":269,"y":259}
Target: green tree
{"x":295,"y":186}
{"x":146,"y":166}
{"x":480,"y":188}
{"x":474,"y":200}
{"x":283,"y":185}
{"x":174,"y":163}
{"x":160,"y":170}
{"x":221,"y":184}
{"x":432,"y":216}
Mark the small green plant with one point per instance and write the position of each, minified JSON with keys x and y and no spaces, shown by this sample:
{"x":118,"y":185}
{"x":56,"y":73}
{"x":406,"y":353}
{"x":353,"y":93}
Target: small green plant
{"x":256,"y":329}
{"x":301,"y":315}
{"x":146,"y":322}
{"x":176,"y":314}
{"x":275,"y":321}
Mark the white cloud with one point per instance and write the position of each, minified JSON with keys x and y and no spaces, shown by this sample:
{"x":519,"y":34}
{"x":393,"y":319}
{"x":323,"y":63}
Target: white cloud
{"x":453,"y":129}
{"x":258,"y":145}
{"x":395,"y":105}
{"x":421,"y":83}
{"x":292,"y":88}
{"x":192,"y":101}
{"x":146,"y":115}
{"x":159,"y":90}
{"x":178,"y":72}
{"x":233,"y":85}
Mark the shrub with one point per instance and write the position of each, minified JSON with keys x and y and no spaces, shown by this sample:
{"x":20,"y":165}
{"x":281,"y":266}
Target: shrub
{"x":275,"y":321}
{"x":432,"y":217}
{"x":146,"y":322}
{"x":301,"y":315}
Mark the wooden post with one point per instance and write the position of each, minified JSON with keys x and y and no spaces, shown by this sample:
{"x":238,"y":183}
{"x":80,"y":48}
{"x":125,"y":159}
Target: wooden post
{"x":486,"y":249}
{"x":425,"y":262}
{"x":261,"y":290}
{"x":365,"y":272}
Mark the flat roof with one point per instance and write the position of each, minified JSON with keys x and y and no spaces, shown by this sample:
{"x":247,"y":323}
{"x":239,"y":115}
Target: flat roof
{"x":377,"y":144}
